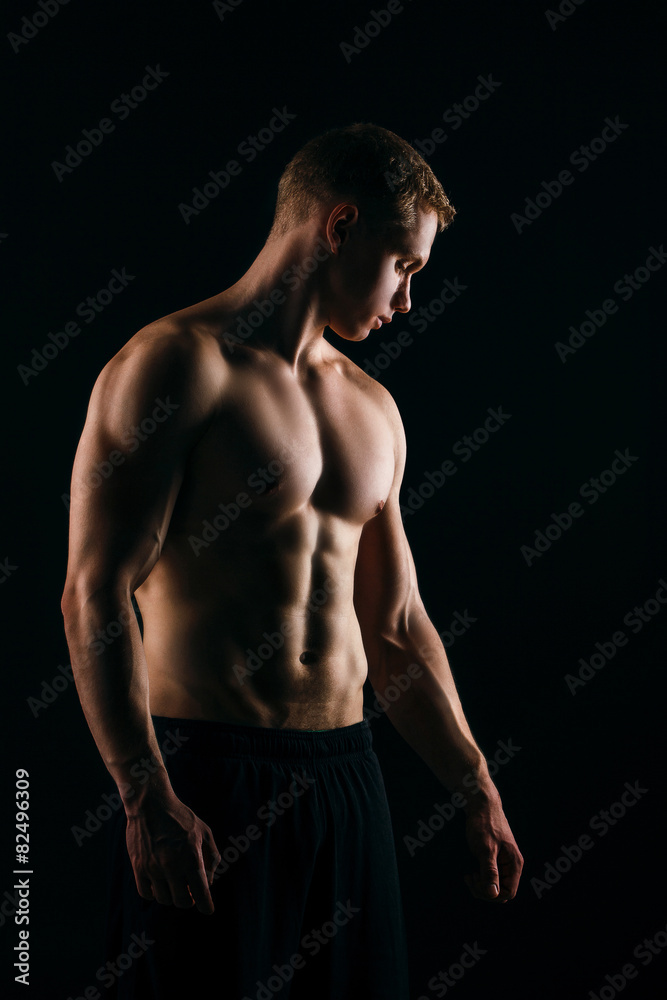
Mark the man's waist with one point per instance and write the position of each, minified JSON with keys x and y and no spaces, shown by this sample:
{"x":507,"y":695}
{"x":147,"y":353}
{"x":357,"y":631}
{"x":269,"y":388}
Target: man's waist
{"x":211,"y":738}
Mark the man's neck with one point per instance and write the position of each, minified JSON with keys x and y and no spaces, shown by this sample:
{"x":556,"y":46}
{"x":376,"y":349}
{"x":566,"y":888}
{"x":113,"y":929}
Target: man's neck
{"x":284,"y":281}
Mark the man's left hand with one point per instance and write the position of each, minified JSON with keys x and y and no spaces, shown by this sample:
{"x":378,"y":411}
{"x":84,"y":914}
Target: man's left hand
{"x":492,"y":843}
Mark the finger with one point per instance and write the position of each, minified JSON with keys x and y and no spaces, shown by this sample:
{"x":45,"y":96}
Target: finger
{"x":212,"y":872}
{"x":472,"y":881}
{"x":508,"y":889}
{"x":162,"y":891}
{"x":200,"y":891}
{"x":485,"y":889}
{"x":510,"y":874}
{"x":144,"y":887}
{"x":488,"y":880}
{"x":180,"y":893}
{"x":480,"y":888}
{"x":211,"y":859}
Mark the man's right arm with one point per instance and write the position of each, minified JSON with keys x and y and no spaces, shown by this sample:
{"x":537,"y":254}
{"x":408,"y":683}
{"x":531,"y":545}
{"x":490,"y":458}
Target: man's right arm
{"x":118,"y":524}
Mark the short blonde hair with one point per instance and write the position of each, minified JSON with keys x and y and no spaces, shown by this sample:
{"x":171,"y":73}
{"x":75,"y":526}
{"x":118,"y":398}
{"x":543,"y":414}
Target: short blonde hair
{"x":374,"y":168}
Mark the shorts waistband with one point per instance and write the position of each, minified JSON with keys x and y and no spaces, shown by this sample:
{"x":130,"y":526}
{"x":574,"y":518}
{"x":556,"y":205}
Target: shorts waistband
{"x":232,"y":739}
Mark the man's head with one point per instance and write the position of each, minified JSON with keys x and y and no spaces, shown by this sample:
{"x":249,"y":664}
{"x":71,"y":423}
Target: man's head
{"x":369,"y":166}
{"x":378,"y":206}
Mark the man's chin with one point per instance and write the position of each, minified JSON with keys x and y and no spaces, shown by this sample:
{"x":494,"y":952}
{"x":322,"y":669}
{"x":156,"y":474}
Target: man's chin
{"x":357,"y":334}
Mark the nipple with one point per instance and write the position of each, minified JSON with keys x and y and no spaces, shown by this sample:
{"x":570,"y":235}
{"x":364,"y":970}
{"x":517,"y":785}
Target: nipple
{"x":379,"y":506}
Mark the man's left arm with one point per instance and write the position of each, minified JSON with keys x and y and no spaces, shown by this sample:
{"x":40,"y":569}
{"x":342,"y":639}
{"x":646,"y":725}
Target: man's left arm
{"x":400,"y":640}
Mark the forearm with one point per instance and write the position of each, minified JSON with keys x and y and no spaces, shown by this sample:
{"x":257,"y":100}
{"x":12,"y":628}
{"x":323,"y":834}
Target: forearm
{"x":428,"y":713}
{"x":173,"y":854}
{"x":111,"y":680}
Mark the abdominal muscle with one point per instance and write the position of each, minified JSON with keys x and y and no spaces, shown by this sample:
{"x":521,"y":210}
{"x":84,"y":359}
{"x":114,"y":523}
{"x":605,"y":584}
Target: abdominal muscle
{"x":259,"y":628}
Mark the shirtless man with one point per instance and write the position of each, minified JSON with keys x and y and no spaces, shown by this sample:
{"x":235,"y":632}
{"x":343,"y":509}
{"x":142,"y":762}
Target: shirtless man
{"x":237,"y":414}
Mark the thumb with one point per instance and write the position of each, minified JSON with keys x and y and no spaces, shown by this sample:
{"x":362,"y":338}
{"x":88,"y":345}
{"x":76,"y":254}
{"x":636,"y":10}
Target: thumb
{"x":488,"y":880}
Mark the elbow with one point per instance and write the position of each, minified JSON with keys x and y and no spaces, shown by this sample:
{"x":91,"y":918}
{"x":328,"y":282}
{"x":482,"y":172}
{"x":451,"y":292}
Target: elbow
{"x":67,"y":597}
{"x":389,"y":653}
{"x":67,"y":601}
{"x":83,"y":590}
{"x":403,"y":620}
{"x":397,"y":633}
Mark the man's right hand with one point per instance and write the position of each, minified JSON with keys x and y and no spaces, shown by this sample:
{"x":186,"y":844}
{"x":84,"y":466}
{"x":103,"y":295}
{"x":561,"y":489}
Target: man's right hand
{"x":173,"y":853}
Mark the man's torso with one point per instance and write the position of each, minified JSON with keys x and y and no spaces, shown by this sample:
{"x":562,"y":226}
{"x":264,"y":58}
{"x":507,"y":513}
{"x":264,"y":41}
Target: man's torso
{"x":248,"y":614}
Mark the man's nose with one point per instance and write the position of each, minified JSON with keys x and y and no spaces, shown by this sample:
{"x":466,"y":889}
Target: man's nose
{"x":401,"y":300}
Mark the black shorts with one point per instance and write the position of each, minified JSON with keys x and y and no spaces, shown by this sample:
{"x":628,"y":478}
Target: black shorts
{"x":307,"y":898}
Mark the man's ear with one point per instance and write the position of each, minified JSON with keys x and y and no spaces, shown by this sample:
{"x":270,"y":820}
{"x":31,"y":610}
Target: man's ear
{"x":339,"y":224}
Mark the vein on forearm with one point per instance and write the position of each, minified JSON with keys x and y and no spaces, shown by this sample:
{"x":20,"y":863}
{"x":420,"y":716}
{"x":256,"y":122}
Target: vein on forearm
{"x":428,"y":713}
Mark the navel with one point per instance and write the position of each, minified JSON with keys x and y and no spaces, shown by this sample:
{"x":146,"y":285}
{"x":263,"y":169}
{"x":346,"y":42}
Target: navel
{"x":308,"y":657}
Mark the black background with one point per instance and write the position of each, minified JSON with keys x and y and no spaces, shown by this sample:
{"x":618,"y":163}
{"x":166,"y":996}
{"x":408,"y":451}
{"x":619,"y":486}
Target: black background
{"x":493,"y":347}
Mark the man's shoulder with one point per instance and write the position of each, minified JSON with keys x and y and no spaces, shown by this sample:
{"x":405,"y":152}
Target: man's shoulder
{"x":172,"y":339}
{"x":167,"y":355}
{"x":372,"y":390}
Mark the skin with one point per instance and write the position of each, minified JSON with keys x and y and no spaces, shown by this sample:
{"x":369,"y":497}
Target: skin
{"x":317,"y":556}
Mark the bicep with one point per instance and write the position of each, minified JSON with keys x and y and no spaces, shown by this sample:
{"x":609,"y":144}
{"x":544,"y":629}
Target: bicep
{"x":385,"y":583}
{"x":385,"y":589}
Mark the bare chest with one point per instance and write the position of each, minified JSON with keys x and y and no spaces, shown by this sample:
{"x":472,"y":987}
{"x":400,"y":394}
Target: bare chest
{"x":276,"y":446}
